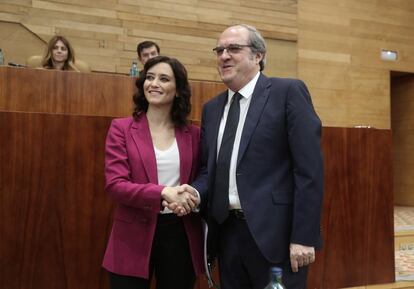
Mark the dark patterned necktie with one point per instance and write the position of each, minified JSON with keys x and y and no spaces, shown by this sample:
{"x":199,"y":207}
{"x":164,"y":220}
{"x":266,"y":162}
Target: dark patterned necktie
{"x":220,"y":200}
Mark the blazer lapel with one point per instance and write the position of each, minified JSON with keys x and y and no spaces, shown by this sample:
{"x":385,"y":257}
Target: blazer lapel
{"x":184,"y":143}
{"x":259,"y":99}
{"x":142,"y":137}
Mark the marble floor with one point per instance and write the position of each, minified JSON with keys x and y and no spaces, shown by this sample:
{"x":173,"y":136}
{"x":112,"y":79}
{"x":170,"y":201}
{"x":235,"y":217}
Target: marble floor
{"x":404,"y":243}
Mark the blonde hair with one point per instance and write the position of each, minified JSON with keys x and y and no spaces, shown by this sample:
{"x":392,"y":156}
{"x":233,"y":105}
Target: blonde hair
{"x":47,"y":61}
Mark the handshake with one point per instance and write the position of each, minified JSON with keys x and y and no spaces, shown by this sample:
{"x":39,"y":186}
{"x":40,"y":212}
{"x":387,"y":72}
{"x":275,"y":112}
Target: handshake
{"x":182,"y":200}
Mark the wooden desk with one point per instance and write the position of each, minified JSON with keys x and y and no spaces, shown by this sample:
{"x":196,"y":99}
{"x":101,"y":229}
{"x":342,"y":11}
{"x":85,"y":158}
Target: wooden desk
{"x":55,"y":216}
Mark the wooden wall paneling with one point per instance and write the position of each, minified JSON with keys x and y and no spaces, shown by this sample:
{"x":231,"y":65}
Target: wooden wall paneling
{"x":167,"y":28}
{"x":81,"y":26}
{"x":331,"y":105}
{"x":288,"y":6}
{"x":55,"y":216}
{"x":380,"y":209}
{"x":101,"y":36}
{"x":75,"y":9}
{"x":403,"y":138}
{"x":201,"y":93}
{"x":3,"y":79}
{"x":369,"y":88}
{"x":16,"y":35}
{"x":105,"y":33}
{"x":363,"y":29}
{"x":281,"y":58}
{"x":107,"y":4}
{"x":394,"y":13}
{"x":274,"y":16}
{"x":374,"y":30}
{"x":42,"y":31}
{"x":81,"y":93}
{"x":67,"y":92}
{"x":92,"y":45}
{"x":199,"y":73}
{"x":15,"y":7}
{"x":181,"y":11}
{"x":332,"y":75}
{"x":332,"y":216}
{"x":67,"y":226}
{"x":76,"y":22}
{"x":329,"y":14}
{"x":330,"y":43}
{"x":319,"y":27}
{"x":170,"y":36}
{"x":128,"y":13}
{"x":358,"y":210}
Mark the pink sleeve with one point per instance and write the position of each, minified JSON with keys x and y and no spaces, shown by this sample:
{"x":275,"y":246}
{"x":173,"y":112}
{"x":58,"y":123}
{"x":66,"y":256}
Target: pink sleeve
{"x":118,"y":174}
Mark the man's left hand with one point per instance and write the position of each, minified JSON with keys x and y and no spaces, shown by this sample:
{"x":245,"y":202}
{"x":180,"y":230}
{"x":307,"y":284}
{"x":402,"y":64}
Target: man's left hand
{"x":300,"y":256}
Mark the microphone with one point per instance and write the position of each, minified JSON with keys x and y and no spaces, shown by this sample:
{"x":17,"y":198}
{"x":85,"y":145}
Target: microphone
{"x":16,"y":64}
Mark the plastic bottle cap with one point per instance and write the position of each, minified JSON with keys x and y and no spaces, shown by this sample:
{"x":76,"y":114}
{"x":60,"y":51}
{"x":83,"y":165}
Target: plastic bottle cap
{"x":276,"y":271}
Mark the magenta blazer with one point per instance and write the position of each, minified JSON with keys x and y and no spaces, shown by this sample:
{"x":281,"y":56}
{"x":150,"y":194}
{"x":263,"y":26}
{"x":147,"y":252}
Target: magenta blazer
{"x":131,"y":180}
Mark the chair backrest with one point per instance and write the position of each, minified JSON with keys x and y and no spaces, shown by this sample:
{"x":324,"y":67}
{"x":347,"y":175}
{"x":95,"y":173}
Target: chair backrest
{"x":82,"y":66}
{"x":35,"y":61}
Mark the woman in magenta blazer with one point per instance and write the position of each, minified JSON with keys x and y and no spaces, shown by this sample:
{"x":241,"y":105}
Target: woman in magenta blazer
{"x":147,"y":157}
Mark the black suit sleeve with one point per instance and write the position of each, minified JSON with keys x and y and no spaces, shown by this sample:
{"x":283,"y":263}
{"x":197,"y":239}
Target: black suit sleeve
{"x":304,"y":137}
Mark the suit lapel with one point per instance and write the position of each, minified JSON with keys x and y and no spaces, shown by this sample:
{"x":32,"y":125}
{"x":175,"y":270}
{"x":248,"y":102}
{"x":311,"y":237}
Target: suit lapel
{"x":142,"y":137}
{"x":259,"y":99}
{"x":214,"y":124}
{"x":184,"y":143}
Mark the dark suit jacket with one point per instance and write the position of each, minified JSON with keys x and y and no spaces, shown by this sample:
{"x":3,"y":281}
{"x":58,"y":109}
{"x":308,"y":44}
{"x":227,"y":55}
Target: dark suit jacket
{"x":279,"y":168}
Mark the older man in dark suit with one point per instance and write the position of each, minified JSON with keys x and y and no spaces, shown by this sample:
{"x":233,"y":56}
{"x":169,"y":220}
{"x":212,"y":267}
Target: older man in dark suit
{"x":261,"y":181}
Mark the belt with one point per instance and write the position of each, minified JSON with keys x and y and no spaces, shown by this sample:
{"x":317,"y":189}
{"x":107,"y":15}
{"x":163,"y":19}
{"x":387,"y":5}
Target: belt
{"x":237,"y":213}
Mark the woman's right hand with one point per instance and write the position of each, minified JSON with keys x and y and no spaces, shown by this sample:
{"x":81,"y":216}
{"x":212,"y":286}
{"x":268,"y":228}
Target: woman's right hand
{"x":180,"y":200}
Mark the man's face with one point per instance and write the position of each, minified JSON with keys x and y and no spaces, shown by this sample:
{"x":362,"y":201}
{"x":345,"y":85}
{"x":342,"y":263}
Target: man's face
{"x":238,"y":64}
{"x":148,"y":53}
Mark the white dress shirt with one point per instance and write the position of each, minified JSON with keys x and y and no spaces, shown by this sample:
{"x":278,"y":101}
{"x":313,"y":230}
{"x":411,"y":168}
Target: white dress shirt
{"x":246,"y":92}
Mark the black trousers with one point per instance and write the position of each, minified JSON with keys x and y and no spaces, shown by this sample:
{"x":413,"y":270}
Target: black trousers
{"x":243,"y":266}
{"x":171,"y":261}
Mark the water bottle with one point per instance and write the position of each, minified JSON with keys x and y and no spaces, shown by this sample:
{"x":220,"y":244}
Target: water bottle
{"x":275,"y":279}
{"x":1,"y":57}
{"x":133,"y":72}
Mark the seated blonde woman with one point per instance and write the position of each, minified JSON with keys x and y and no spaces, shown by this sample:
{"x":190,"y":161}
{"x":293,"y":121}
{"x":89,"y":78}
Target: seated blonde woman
{"x":60,"y":55}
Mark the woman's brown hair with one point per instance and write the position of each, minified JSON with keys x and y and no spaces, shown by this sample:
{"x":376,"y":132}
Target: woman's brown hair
{"x":48,"y":59}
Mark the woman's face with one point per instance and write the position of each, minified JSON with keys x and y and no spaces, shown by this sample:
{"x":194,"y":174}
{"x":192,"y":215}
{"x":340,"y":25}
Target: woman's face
{"x":159,"y":85}
{"x":60,"y":52}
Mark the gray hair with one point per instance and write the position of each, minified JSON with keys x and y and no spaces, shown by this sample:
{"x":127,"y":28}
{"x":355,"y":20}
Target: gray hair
{"x":257,"y":43}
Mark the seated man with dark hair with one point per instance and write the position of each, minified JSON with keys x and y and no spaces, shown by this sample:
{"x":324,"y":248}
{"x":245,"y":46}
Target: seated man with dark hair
{"x":147,"y":50}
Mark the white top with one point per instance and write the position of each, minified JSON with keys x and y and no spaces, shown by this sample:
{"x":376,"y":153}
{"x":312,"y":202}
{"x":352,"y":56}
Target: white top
{"x":246,"y":92}
{"x":168,"y":167}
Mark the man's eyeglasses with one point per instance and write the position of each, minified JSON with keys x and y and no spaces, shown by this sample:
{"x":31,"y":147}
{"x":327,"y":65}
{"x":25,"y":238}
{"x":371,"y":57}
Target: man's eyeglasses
{"x":231,"y":48}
